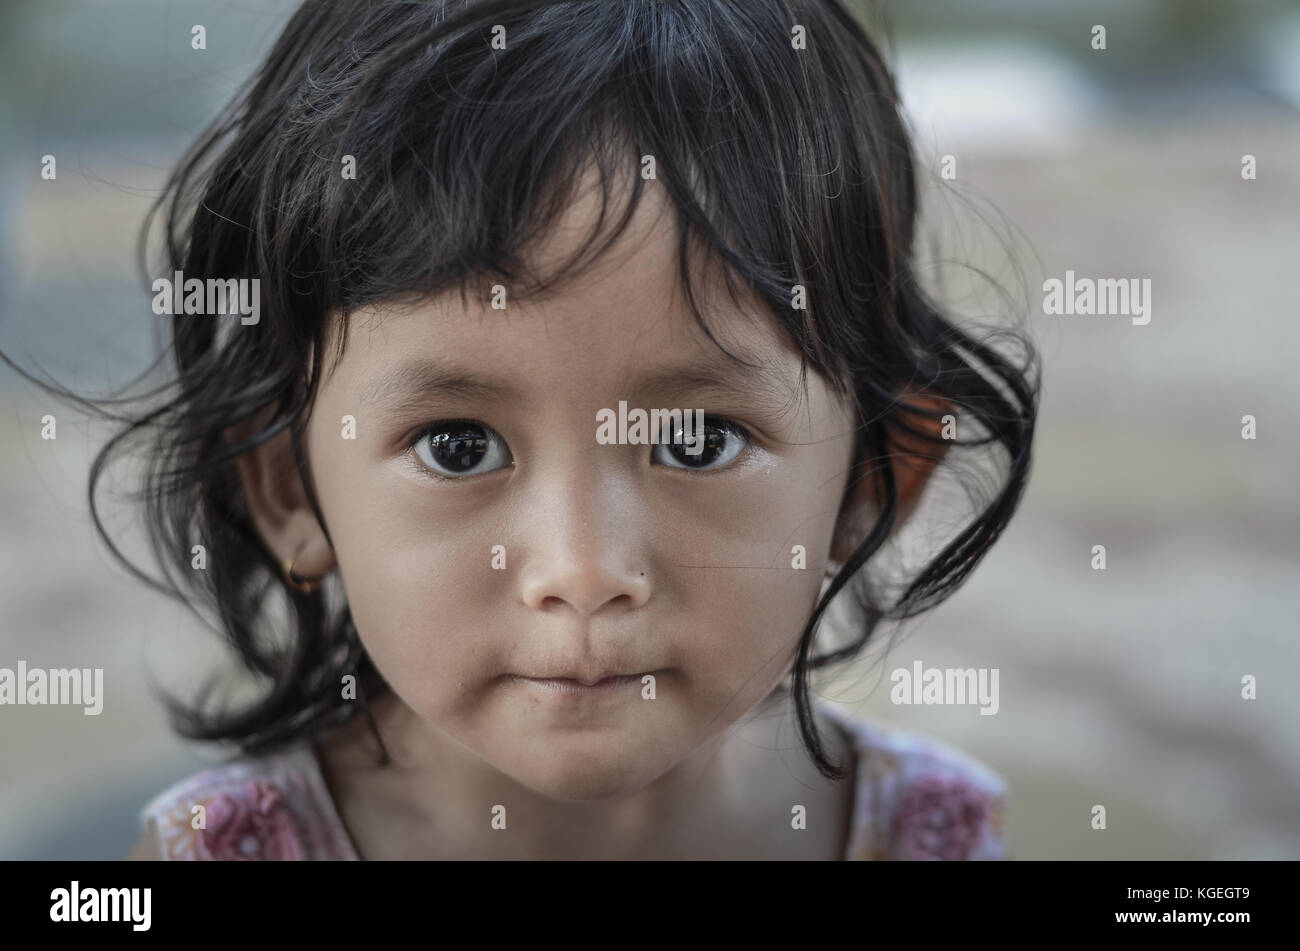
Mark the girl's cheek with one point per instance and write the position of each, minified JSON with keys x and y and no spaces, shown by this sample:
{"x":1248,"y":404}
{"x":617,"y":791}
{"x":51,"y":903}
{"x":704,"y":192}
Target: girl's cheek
{"x":405,"y":562}
{"x":424,"y":627}
{"x":780,"y":518}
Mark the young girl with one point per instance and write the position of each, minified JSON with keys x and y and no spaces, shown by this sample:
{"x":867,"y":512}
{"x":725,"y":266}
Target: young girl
{"x":489,"y":623}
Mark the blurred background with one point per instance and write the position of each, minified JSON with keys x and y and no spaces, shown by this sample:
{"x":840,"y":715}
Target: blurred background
{"x":1119,"y":687}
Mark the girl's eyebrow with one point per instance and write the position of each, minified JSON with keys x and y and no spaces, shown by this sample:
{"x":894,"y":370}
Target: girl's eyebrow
{"x":760,"y":385}
{"x":414,"y":384}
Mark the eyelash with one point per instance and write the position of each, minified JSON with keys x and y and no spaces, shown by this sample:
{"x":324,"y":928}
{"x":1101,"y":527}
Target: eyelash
{"x":713,"y":422}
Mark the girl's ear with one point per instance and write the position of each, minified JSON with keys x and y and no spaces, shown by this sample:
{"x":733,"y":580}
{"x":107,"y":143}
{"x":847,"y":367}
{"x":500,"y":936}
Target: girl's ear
{"x":914,"y":459}
{"x":277,"y":501}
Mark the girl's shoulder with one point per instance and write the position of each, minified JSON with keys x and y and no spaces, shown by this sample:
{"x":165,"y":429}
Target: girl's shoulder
{"x":918,"y":798}
{"x":272,"y":806}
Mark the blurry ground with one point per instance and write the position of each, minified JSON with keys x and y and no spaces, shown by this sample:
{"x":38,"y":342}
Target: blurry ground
{"x":1118,"y":688}
{"x":1123,"y":687}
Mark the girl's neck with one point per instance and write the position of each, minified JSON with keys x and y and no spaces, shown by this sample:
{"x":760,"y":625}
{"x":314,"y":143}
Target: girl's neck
{"x":731,"y":798}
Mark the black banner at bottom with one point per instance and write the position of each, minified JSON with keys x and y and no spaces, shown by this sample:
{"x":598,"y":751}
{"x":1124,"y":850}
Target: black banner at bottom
{"x":241,"y":900}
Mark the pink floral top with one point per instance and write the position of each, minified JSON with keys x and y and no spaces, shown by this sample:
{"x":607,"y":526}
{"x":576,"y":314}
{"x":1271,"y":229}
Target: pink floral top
{"x":914,"y":798}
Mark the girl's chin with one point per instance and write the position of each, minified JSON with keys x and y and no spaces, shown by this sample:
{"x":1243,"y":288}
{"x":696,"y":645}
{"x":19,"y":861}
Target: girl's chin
{"x":585,"y":775}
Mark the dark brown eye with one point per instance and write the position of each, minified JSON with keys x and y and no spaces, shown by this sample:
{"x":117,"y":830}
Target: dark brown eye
{"x":715,"y":445}
{"x":461,"y":448}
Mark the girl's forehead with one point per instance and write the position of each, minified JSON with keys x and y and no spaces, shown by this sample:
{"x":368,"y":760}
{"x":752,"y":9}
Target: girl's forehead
{"x":620,"y":306}
{"x":613,"y":336}
{"x":584,"y":348}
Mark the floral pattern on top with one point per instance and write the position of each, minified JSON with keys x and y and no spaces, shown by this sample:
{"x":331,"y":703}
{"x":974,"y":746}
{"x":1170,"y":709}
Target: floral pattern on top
{"x":918,"y":799}
{"x":274,"y":807}
{"x":915,"y":799}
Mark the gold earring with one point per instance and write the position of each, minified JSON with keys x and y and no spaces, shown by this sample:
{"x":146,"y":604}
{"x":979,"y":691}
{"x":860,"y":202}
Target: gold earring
{"x":301,"y":585}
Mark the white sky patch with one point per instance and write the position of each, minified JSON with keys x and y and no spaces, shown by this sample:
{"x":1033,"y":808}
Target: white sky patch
{"x":1004,"y":96}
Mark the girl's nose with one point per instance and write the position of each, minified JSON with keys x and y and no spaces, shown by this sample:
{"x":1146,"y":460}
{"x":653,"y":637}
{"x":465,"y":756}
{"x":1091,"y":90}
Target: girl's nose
{"x":583,"y":547}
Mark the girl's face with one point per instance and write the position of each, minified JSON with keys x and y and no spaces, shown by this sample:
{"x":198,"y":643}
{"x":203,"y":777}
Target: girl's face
{"x":480,"y":559}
